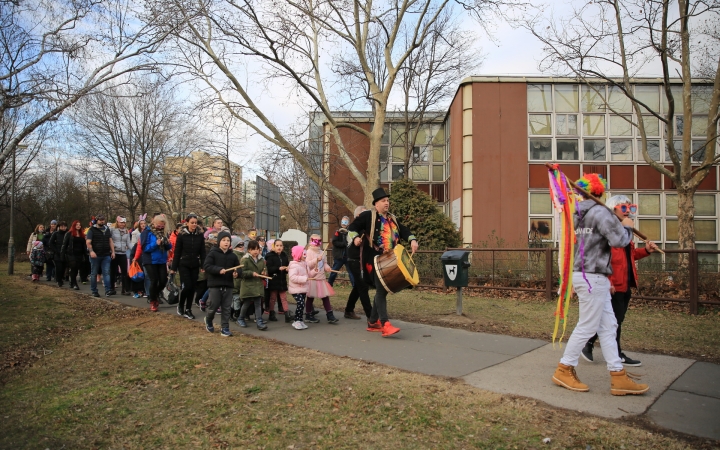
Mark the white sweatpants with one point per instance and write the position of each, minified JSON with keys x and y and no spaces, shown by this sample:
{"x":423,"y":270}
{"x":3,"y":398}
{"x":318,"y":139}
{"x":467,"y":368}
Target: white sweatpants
{"x":596,"y":316}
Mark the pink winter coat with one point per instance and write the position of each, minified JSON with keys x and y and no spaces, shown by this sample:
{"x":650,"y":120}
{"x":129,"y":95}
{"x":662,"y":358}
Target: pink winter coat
{"x":298,"y":277}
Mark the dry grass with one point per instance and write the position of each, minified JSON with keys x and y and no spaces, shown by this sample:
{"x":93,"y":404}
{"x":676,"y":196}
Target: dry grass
{"x":126,"y":378}
{"x":661,"y":328}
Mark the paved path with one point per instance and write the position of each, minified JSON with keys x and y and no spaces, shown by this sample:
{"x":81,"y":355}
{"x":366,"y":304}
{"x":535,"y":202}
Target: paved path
{"x":684,"y":394}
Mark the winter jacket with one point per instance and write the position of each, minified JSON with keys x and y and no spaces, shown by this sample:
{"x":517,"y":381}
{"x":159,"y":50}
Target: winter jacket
{"x":597,"y":229}
{"x":313,"y":265}
{"x":298,"y":275}
{"x":55,"y":243}
{"x":37,"y":257}
{"x":189,"y":249}
{"x":619,"y":263}
{"x":121,"y":239}
{"x":274,"y":261}
{"x":237,"y":282}
{"x":34,"y":237}
{"x":339,"y":243}
{"x":134,"y":236}
{"x":74,"y":249}
{"x":217,"y":260}
{"x":252,"y":286}
{"x":100,"y":240}
{"x":152,"y":253}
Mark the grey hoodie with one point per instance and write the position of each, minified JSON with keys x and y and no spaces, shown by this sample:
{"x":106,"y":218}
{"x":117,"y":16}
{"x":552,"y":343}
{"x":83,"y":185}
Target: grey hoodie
{"x":599,"y":230}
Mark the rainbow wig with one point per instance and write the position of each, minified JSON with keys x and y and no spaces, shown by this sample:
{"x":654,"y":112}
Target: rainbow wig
{"x":592,"y":183}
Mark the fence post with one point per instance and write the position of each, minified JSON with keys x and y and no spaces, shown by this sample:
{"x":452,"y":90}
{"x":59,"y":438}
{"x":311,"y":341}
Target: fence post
{"x":693,"y":280}
{"x":458,"y":302}
{"x":548,"y":274}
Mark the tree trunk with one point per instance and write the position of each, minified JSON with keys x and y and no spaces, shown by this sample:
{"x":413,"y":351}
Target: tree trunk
{"x":686,"y":223}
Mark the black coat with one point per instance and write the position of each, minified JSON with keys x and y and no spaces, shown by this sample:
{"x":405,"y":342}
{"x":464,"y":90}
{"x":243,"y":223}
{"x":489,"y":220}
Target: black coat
{"x":273,"y":262}
{"x":55,"y":244}
{"x":69,"y":250}
{"x":339,"y":243}
{"x":189,"y":249}
{"x":217,"y":260}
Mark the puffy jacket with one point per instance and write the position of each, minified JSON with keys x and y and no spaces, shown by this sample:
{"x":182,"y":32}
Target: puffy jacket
{"x":189,"y":249}
{"x":274,"y":261}
{"x":313,"y":253}
{"x":152,"y":253}
{"x":121,"y":239}
{"x":298,"y":274}
{"x":217,"y":260}
{"x":597,"y":229}
{"x":619,"y":262}
{"x":339,"y":243}
{"x":55,"y":243}
{"x":252,"y":286}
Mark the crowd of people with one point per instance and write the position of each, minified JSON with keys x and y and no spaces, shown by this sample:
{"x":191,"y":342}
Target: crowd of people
{"x":219,"y":272}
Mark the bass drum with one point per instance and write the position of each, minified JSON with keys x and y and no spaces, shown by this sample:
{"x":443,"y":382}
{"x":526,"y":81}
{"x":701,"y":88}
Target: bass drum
{"x":396,"y":270}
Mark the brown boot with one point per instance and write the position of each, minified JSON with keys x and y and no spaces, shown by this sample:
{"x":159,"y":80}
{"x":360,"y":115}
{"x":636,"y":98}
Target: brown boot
{"x":566,"y":377}
{"x":621,"y":383}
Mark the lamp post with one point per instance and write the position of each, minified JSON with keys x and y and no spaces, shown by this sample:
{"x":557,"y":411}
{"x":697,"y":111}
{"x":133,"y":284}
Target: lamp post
{"x":11,"y":240}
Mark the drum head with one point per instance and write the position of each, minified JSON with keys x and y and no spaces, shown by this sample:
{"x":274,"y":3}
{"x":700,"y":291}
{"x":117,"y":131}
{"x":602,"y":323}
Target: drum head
{"x":407,"y":265}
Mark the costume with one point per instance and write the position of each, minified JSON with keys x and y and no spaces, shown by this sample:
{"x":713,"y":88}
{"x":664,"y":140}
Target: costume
{"x":382,"y":233}
{"x":317,"y":285}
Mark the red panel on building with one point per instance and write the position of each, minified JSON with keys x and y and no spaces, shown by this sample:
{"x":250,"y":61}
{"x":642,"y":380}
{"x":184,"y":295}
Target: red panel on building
{"x":648,"y":178}
{"x":600,"y":169}
{"x":538,"y":176}
{"x":571,"y":171}
{"x":709,"y":183}
{"x":622,"y":177}
{"x":668,"y":182}
{"x":424,"y":187}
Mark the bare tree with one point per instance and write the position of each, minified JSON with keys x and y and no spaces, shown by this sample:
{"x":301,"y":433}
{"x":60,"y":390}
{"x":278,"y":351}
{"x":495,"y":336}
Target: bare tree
{"x":284,"y":172}
{"x":56,"y":51}
{"x":125,"y":133}
{"x":612,"y":40}
{"x":288,"y":42}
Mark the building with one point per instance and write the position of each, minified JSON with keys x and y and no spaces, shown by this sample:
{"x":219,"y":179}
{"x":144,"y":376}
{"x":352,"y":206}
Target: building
{"x":201,"y":182}
{"x":486,"y":168}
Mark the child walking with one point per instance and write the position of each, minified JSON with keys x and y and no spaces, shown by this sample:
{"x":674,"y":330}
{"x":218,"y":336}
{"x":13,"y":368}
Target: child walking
{"x":37,"y":260}
{"x":220,"y":282}
{"x":277,"y":268}
{"x":252,"y":289}
{"x":297,"y":286}
{"x":318,"y":287}
{"x":238,"y":247}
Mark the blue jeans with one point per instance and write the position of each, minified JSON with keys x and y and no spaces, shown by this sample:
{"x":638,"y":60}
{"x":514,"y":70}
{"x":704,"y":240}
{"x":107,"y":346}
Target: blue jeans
{"x":337,"y":265}
{"x":101,"y":263}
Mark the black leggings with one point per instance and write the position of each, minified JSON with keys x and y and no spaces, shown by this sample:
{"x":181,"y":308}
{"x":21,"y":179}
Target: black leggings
{"x":120,"y":261}
{"x":158,"y":279}
{"x":200,"y":289}
{"x":188,"y":281}
{"x":74,"y":268}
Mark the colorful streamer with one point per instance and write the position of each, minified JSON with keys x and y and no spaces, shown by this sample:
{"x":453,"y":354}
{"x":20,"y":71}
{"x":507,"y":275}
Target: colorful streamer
{"x":564,"y":200}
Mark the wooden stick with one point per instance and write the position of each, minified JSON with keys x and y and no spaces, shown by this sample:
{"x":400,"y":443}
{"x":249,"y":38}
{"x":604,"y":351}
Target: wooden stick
{"x":336,"y":271}
{"x":236,"y":267}
{"x":589,"y":196}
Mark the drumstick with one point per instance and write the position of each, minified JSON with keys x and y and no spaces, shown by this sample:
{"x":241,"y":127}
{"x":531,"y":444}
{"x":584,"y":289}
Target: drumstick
{"x":236,"y":267}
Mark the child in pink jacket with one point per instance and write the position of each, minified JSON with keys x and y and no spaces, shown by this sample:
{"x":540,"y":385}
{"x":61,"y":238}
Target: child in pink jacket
{"x":298,"y":284}
{"x":318,"y":287}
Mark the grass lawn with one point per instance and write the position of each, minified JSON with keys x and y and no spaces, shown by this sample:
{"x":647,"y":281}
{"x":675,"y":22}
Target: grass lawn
{"x":80,"y":372}
{"x":661,"y":328}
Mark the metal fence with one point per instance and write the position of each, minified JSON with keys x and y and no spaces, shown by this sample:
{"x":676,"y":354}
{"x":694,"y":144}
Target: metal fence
{"x":662,"y":277}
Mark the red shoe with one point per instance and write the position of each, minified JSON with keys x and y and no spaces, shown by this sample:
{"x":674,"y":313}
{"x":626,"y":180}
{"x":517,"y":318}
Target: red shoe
{"x":389,"y":330}
{"x":374,"y":326}
{"x":154,"y":306}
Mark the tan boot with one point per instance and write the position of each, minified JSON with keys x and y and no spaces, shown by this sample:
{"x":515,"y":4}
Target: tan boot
{"x":621,"y":383}
{"x":566,"y":377}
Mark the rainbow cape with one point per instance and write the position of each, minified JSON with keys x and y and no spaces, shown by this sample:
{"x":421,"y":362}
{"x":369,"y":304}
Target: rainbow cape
{"x":563,"y":199}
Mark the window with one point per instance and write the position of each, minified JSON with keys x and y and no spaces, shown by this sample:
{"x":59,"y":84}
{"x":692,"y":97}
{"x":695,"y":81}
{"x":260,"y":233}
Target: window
{"x":594,"y":150}
{"x":649,"y":95}
{"x":540,"y":149}
{"x":698,"y":151}
{"x":420,"y":154}
{"x":567,"y":149}
{"x":539,"y":97}
{"x":540,"y":203}
{"x":649,"y":204}
{"x":676,"y":91}
{"x":566,"y":124}
{"x":621,"y":150}
{"x":438,"y":174}
{"x":566,"y":97}
{"x":701,"y":97}
{"x":653,"y":148}
{"x":620,"y":126}
{"x":593,"y":99}
{"x":594,"y":125}
{"x":652,"y":126}
{"x":618,"y":102}
{"x":397,"y":172}
{"x":421,"y":173}
{"x":540,"y":124}
{"x":699,"y":125}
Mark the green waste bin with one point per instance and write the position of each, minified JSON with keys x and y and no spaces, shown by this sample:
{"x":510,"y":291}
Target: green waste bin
{"x":455,"y":268}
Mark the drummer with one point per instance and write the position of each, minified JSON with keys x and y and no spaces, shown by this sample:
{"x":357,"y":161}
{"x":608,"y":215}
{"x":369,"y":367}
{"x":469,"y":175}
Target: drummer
{"x":385,"y":232}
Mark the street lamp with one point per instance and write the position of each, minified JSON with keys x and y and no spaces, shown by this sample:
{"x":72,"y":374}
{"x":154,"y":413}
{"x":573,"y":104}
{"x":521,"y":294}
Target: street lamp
{"x":11,"y":240}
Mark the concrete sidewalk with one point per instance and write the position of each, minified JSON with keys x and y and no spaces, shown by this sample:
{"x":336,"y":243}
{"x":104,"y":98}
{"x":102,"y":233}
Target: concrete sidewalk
{"x":684,"y":394}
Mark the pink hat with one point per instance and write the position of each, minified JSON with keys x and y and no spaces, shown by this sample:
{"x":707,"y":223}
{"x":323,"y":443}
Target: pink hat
{"x":297,"y":252}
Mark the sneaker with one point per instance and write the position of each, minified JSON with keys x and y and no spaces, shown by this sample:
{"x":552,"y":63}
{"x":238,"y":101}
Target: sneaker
{"x":209,"y":326}
{"x":154,"y":306}
{"x":315,"y":312}
{"x":331,"y":318}
{"x":351,"y":315}
{"x":180,"y":312}
{"x":587,"y":352}
{"x":629,"y":361}
{"x":109,"y":293}
{"x":241,"y":322}
{"x":84,"y":282}
{"x":76,"y":287}
{"x":95,"y":294}
{"x":272,"y":317}
{"x":189,"y":315}
{"x":298,"y":325}
{"x":144,"y":295}
{"x":305,"y":327}
{"x":310,"y":318}
{"x":135,"y":295}
{"x":261,"y":325}
{"x":225,"y":332}
{"x":374,"y":326}
{"x":389,"y":330}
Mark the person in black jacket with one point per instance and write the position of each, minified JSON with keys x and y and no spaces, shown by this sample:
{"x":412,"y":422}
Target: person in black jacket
{"x":189,"y":256}
{"x":277,"y":263}
{"x":383,"y":235}
{"x":340,"y":245}
{"x":360,"y":287}
{"x":49,"y":250}
{"x":74,"y":251}
{"x":55,"y":243}
{"x":220,"y":282}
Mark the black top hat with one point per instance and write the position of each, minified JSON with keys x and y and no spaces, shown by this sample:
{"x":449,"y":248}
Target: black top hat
{"x":379,"y":194}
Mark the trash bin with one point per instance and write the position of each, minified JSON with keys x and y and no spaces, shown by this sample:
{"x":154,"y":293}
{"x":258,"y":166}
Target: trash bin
{"x":455,"y":268}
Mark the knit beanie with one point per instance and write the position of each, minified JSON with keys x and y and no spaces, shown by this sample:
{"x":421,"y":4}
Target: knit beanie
{"x":297,"y":252}
{"x":223,"y":234}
